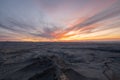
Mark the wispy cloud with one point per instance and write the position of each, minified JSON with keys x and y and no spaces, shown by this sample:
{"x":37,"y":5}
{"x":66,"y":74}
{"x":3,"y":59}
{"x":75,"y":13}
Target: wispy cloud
{"x":44,"y":19}
{"x":91,"y":23}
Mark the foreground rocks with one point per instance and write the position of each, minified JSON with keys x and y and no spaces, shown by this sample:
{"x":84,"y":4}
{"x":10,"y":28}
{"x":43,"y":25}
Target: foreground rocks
{"x":60,"y":61}
{"x":45,"y":68}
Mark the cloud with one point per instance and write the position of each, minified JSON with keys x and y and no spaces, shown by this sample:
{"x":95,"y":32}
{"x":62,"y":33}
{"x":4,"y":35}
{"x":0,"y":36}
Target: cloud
{"x":108,"y":13}
{"x":47,"y":31}
{"x":25,"y":19}
{"x":25,"y":29}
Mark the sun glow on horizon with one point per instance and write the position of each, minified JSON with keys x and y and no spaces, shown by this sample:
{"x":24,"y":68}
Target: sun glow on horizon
{"x":59,"y":20}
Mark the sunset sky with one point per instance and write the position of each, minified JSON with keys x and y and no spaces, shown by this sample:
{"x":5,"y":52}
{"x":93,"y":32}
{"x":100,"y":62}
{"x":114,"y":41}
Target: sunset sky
{"x":59,"y":20}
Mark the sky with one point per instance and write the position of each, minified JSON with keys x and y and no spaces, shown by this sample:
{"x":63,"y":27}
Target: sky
{"x":59,"y":20}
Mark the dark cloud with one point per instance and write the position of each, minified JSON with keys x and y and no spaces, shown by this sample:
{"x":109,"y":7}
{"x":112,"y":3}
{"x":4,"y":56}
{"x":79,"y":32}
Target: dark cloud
{"x":47,"y":32}
{"x":24,"y":29}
